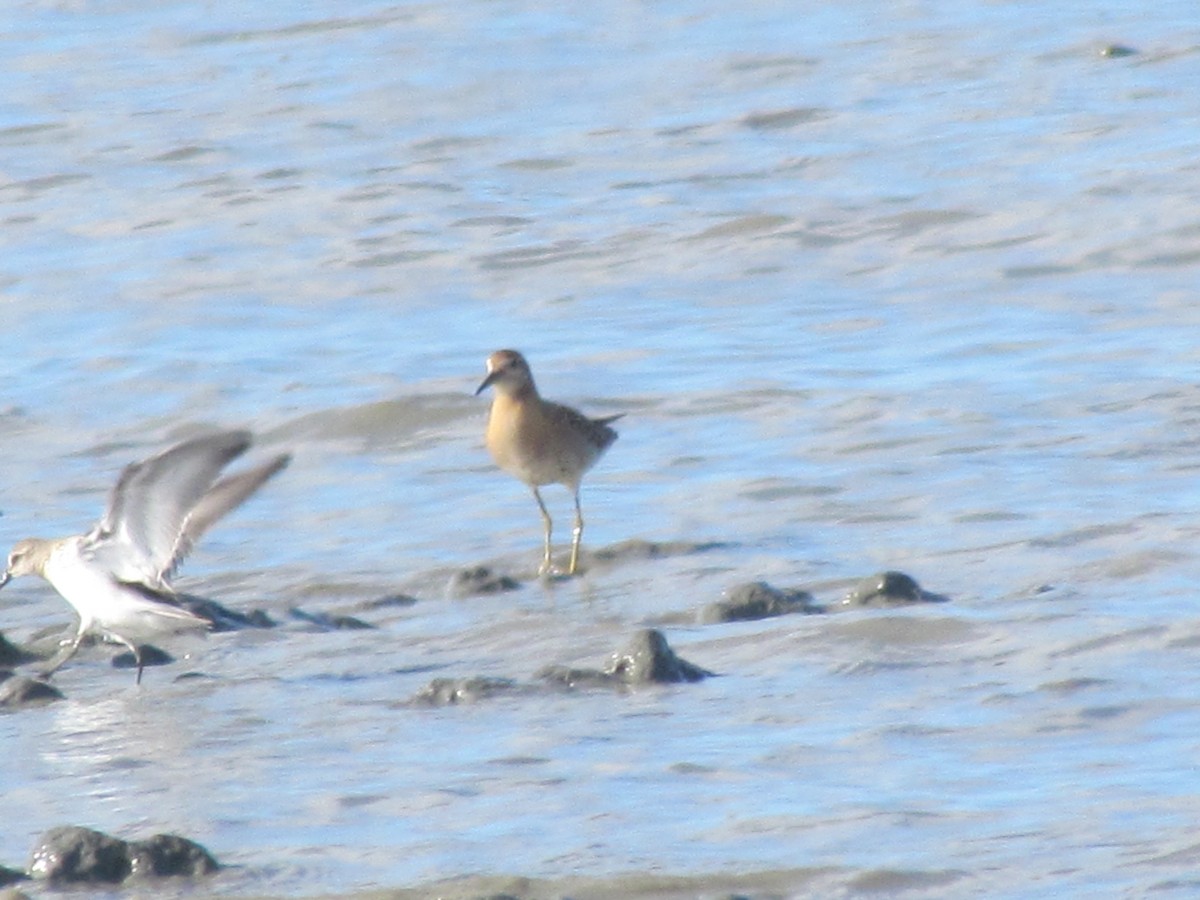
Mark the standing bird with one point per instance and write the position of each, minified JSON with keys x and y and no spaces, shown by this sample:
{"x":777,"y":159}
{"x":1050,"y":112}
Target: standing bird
{"x":118,"y":575}
{"x":540,"y":442}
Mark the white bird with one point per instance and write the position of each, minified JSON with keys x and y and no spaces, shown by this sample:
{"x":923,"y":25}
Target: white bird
{"x":118,"y":575}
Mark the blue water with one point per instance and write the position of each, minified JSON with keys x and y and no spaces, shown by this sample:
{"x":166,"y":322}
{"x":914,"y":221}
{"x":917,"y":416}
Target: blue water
{"x":906,"y":287}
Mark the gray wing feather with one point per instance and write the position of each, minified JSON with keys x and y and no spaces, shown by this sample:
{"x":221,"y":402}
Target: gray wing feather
{"x":598,"y":432}
{"x":223,"y":497}
{"x":152,"y":500}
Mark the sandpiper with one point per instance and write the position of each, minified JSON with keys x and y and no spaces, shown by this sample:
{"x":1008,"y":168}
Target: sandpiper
{"x":541,"y":442}
{"x":118,"y":575}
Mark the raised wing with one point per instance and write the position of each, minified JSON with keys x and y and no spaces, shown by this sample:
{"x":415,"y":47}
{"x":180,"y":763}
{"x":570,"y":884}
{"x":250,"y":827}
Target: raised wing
{"x":223,"y":497}
{"x":152,"y":500}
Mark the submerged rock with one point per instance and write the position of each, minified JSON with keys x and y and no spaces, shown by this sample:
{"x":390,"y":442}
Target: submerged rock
{"x":71,"y":854}
{"x":889,"y":589}
{"x":20,"y":692}
{"x":168,"y":855}
{"x":329,"y":621}
{"x":45,"y":642}
{"x":11,"y":654}
{"x":74,"y":854}
{"x":639,"y":549}
{"x":151,"y":656}
{"x":391,"y":601}
{"x":480,"y":580}
{"x":222,"y":617}
{"x":758,"y":600}
{"x":10,"y":876}
{"x":647,"y":660}
{"x":452,"y":691}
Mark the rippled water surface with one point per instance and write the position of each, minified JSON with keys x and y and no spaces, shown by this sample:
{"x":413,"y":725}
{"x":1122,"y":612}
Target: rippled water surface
{"x":907,"y":286}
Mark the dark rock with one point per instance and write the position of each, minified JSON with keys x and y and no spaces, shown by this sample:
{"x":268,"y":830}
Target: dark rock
{"x":480,"y":580}
{"x":329,"y":621}
{"x":151,"y":656}
{"x":71,"y":854}
{"x":757,"y":600}
{"x":647,"y":660}
{"x":890,"y":589}
{"x":19,"y":692}
{"x":452,"y":691}
{"x":166,"y":855}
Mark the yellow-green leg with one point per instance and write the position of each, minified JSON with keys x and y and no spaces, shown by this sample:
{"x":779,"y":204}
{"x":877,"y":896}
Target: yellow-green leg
{"x":547,"y":525}
{"x":576,"y":536}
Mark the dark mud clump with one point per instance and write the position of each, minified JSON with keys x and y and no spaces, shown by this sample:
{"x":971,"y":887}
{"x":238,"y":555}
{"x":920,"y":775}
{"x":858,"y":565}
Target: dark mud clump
{"x":74,"y":855}
{"x":168,"y":856}
{"x":20,"y":692}
{"x":10,"y":876}
{"x":758,"y":600}
{"x":222,"y":617}
{"x":453,"y":691}
{"x":647,"y":660}
{"x":11,"y":654}
{"x":637,"y":549}
{"x":151,"y":656}
{"x":321,"y":621}
{"x":480,"y":580}
{"x":390,"y":601}
{"x":889,"y":589}
{"x":45,"y":642}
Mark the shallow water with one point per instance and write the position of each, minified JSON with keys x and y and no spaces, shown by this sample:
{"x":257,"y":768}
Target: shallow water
{"x":903,"y":288}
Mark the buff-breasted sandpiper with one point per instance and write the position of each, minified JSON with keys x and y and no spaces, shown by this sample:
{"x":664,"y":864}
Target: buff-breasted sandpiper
{"x":541,"y":442}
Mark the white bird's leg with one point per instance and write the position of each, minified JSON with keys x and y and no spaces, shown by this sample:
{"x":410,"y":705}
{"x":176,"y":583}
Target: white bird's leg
{"x":547,"y":525}
{"x":577,"y":535}
{"x":60,"y":658}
